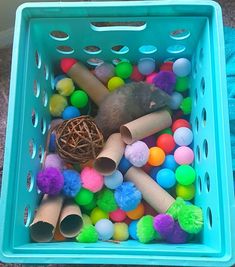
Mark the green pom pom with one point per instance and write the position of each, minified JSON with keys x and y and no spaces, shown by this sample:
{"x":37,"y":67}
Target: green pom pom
{"x":182,"y":84}
{"x":191,"y":219}
{"x":84,"y":197}
{"x":176,"y":207}
{"x":186,"y":105}
{"x":88,"y":234}
{"x":90,"y":206}
{"x":145,"y":230}
{"x":106,"y":200}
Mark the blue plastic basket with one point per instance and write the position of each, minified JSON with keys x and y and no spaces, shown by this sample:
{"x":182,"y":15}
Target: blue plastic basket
{"x":176,"y":28}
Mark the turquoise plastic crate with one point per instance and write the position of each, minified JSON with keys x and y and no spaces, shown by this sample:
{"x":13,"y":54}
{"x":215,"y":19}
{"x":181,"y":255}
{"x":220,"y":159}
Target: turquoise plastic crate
{"x":191,"y":29}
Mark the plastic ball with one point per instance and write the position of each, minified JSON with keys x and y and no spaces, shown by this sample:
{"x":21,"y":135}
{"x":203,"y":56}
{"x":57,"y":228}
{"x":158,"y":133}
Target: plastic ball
{"x":114,"y":180}
{"x":150,"y":141}
{"x":127,"y":196}
{"x":70,"y":112}
{"x":146,"y":66}
{"x":137,"y":153}
{"x":165,"y":80}
{"x":84,"y":197}
{"x":79,"y":99}
{"x":170,"y":163}
{"x":121,"y":232}
{"x":153,"y":172}
{"x":114,"y":83}
{"x":180,"y":123}
{"x":183,"y":136}
{"x":86,"y":219}
{"x":156,"y":156}
{"x":137,"y":213}
{"x":123,"y":70}
{"x":187,"y":192}
{"x":106,"y":200}
{"x":72,"y":183}
{"x":53,"y":160}
{"x":165,"y":131}
{"x":98,"y":214}
{"x":105,"y":229}
{"x":175,"y":101}
{"x":166,"y":178}
{"x":117,"y":215}
{"x":104,"y":72}
{"x":182,"y":67}
{"x":166,"y":143}
{"x":50,"y":181}
{"x":133,"y":229}
{"x":184,"y":155}
{"x":91,"y":179}
{"x":167,"y":66}
{"x":136,"y":76}
{"x":182,"y":84}
{"x":150,"y":78}
{"x":185,"y":175}
{"x":186,"y":105}
{"x":57,"y":104}
{"x":65,"y":86}
{"x":124,"y":165}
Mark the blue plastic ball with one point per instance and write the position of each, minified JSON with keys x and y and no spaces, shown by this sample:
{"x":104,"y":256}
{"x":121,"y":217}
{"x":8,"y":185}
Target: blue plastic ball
{"x":105,"y":229}
{"x":170,"y":163}
{"x":182,"y":67}
{"x":124,"y":165}
{"x":114,"y":180}
{"x":146,"y":66}
{"x":72,"y":183}
{"x":175,"y":100}
{"x":166,"y":178}
{"x":154,"y":171}
{"x":52,"y":144}
{"x":132,"y":228}
{"x":70,"y":112}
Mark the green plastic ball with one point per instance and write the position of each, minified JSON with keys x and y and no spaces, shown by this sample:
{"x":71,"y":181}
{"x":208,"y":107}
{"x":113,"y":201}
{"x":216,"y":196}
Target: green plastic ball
{"x":84,"y":197}
{"x":124,"y":70}
{"x":79,"y":99}
{"x":185,"y":175}
{"x":187,"y":192}
{"x":106,"y":200}
{"x":182,"y":84}
{"x":186,"y":105}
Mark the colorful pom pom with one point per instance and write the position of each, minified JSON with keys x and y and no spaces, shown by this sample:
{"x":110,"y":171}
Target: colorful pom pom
{"x":118,"y":215}
{"x":106,"y":200}
{"x":121,"y":232}
{"x":53,"y":160}
{"x":164,"y":224}
{"x":72,"y":183}
{"x":91,"y":179}
{"x":145,"y":230}
{"x":105,"y":229}
{"x":137,"y":153}
{"x":57,"y":105}
{"x":165,"y":80}
{"x":98,"y":214}
{"x":114,"y":180}
{"x":84,"y":197}
{"x":88,"y":234}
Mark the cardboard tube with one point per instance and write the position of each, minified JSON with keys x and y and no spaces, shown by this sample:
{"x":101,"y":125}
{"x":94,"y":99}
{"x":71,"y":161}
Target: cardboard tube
{"x":43,"y":226}
{"x":70,"y":222}
{"x":85,"y":79}
{"x":109,"y":158}
{"x":145,"y":126}
{"x":152,"y":193}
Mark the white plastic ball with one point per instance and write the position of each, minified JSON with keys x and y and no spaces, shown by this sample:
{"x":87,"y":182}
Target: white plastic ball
{"x":105,"y":229}
{"x":146,"y":66}
{"x":182,"y":67}
{"x":175,"y":101}
{"x":183,"y":136}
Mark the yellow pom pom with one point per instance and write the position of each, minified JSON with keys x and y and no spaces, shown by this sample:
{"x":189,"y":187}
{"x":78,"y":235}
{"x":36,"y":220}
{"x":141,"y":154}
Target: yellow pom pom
{"x":120,"y":232}
{"x":114,"y":83}
{"x":57,"y":105}
{"x":86,"y":219}
{"x":186,"y":192}
{"x":98,"y":214}
{"x":65,"y":87}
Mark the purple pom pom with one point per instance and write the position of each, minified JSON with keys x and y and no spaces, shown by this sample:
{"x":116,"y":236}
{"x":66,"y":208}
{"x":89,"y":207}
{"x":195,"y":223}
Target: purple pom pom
{"x":164,"y":224}
{"x":177,"y":236}
{"x":50,"y":181}
{"x":72,"y":183}
{"x":165,"y":80}
{"x":127,"y":196}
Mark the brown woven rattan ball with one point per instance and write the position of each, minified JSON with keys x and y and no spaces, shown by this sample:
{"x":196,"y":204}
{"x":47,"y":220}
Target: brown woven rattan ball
{"x":78,"y":140}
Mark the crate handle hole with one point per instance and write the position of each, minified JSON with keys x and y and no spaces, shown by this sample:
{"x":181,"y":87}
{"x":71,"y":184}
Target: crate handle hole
{"x":180,"y":34}
{"x":209,"y":218}
{"x":46,"y":71}
{"x":120,"y":49}
{"x":118,"y":26}
{"x":176,"y":49}
{"x":59,"y":35}
{"x":27,"y":216}
{"x":207,"y":181}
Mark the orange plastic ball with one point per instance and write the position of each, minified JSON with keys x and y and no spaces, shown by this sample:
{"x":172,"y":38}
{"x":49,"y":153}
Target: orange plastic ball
{"x":156,"y":156}
{"x":136,"y":213}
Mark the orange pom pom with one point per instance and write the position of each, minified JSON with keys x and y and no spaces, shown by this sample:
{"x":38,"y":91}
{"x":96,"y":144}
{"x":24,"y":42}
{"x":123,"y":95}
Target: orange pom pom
{"x":156,"y":156}
{"x":136,"y":213}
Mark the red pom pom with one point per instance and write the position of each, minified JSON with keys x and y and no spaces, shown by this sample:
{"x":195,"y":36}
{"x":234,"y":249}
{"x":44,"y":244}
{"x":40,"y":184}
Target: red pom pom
{"x":166,"y":142}
{"x":180,"y":123}
{"x":67,"y":63}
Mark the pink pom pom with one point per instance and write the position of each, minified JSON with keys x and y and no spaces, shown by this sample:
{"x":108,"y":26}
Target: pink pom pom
{"x":150,"y":77}
{"x":53,"y":160}
{"x":117,"y":215}
{"x":91,"y":179}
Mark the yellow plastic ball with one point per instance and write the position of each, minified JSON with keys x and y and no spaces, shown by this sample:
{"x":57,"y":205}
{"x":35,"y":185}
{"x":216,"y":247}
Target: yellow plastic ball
{"x":120,"y":232}
{"x":156,"y":156}
{"x":114,"y":83}
{"x":57,"y":105}
{"x":86,"y":219}
{"x":187,"y":192}
{"x":98,"y":214}
{"x":65,"y":87}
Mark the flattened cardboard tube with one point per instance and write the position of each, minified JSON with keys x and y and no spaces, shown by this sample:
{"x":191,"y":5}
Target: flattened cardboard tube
{"x":43,"y":226}
{"x":152,"y":193}
{"x":88,"y":82}
{"x":109,"y":158}
{"x":70,"y":222}
{"x":145,"y":126}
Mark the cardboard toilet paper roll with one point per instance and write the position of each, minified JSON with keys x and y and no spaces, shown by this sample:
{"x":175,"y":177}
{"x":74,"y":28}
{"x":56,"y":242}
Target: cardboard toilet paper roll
{"x":145,"y":126}
{"x":43,"y":226}
{"x":70,"y":222}
{"x":84,"y":79}
{"x":153,"y":194}
{"x":109,"y":158}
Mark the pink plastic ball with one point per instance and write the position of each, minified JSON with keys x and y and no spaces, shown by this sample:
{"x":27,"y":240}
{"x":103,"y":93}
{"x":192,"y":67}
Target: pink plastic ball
{"x":136,"y":76}
{"x":91,"y":179}
{"x":149,"y":79}
{"x":184,"y":155}
{"x":117,"y":215}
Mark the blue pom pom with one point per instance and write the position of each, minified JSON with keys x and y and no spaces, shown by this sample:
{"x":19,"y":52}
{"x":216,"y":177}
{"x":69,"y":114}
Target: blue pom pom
{"x":124,"y":165}
{"x":133,"y":229}
{"x":70,"y":112}
{"x":127,"y":196}
{"x":72,"y":183}
{"x":52,"y":145}
{"x":170,"y":163}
